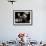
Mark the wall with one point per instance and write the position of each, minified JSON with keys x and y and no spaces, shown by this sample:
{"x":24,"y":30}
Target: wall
{"x":38,"y":29}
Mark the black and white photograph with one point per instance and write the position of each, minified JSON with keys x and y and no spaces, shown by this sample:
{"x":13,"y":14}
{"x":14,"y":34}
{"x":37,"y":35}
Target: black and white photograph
{"x":22,"y":17}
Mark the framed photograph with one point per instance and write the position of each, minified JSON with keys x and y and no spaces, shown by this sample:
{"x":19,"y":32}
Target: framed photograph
{"x":22,"y":17}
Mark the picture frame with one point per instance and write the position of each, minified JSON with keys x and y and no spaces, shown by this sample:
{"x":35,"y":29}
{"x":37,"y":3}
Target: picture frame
{"x":22,"y":17}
